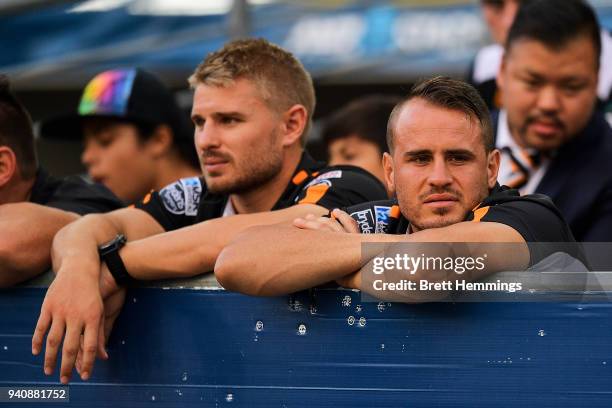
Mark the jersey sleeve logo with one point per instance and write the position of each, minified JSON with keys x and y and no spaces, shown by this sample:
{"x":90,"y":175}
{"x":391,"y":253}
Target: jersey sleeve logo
{"x":325,"y":178}
{"x":365,"y":221}
{"x":383,"y":213}
{"x":182,"y":197}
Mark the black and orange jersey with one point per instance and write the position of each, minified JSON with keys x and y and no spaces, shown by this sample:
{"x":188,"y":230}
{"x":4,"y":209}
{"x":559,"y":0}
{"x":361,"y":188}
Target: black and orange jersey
{"x":533,"y":216}
{"x":187,"y":201}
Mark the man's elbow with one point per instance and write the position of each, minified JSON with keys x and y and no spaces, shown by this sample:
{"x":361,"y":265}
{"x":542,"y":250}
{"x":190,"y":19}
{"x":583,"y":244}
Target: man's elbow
{"x":236,"y":271}
{"x":224,"y":268}
{"x":230,"y":270}
{"x":12,"y":268}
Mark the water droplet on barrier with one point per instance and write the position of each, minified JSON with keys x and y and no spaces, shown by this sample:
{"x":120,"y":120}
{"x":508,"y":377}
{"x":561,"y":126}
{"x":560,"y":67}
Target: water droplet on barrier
{"x":184,"y":377}
{"x":362,"y":321}
{"x":153,"y":398}
{"x":358,"y":309}
{"x":229,"y":397}
{"x":179,"y":392}
{"x":313,"y":309}
{"x":5,"y":348}
{"x":350,"y":320}
{"x":134,"y":300}
{"x":122,"y":341}
{"x":381,"y":306}
{"x":302,"y":329}
{"x":295,"y":305}
{"x":604,"y":362}
{"x":382,"y":346}
{"x":346,"y":302}
{"x":580,"y":307}
{"x":528,"y":358}
{"x":259,"y":326}
{"x":541,"y":333}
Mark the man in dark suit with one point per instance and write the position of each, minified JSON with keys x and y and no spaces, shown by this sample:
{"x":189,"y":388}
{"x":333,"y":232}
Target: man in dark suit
{"x":553,"y":140}
{"x":499,"y":15}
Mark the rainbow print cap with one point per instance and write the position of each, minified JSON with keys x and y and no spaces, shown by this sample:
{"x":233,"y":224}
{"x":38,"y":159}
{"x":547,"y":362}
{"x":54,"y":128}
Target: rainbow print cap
{"x":131,"y":95}
{"x":108,"y":93}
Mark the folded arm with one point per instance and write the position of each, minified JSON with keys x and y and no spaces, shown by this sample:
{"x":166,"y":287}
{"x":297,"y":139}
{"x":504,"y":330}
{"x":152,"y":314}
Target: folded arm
{"x":498,"y":246}
{"x":279,"y":259}
{"x":194,"y":250}
{"x":73,"y":303}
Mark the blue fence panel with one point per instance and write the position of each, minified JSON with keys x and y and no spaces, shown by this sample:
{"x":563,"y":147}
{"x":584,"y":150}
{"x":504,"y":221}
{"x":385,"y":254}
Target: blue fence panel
{"x":185,"y":347}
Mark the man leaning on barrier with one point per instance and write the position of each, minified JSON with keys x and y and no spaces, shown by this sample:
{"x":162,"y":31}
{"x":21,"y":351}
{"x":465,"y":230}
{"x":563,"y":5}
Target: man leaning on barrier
{"x":252,"y":106}
{"x":443,"y":169}
{"x":34,"y":205}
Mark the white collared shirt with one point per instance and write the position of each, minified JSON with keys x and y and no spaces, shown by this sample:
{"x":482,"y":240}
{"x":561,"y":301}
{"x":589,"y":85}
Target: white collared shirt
{"x":507,"y":174}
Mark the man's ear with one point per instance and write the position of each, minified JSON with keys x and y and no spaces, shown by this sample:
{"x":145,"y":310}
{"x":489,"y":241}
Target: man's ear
{"x":494,"y":159}
{"x":294,"y":123}
{"x":160,"y":141}
{"x":8,"y":165}
{"x":389,"y":174}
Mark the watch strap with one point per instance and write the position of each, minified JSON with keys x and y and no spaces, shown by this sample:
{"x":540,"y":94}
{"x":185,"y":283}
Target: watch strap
{"x":109,"y":254}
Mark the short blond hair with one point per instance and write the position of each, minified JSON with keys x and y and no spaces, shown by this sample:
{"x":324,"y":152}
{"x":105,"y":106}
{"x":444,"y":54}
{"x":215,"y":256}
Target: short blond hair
{"x":280,"y":77}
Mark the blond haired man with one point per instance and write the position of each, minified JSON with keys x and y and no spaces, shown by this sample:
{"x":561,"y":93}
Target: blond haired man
{"x":252,"y":106}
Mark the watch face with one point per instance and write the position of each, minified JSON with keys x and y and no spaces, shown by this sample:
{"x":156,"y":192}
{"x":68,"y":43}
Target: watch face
{"x":117,"y":243}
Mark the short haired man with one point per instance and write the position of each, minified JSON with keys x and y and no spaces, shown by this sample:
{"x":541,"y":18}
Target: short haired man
{"x":356,"y":133}
{"x":136,"y":138}
{"x":499,"y":15}
{"x":443,"y":169}
{"x":553,"y":140}
{"x":252,"y":106}
{"x":33,"y":204}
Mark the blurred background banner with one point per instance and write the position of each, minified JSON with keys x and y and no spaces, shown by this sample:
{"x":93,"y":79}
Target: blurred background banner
{"x":61,"y":44}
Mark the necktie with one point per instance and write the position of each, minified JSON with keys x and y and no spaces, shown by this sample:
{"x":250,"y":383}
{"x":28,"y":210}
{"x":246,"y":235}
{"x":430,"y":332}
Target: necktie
{"x":518,"y":166}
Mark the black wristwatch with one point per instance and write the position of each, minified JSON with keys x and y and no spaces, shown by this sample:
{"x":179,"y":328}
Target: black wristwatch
{"x":109,"y":254}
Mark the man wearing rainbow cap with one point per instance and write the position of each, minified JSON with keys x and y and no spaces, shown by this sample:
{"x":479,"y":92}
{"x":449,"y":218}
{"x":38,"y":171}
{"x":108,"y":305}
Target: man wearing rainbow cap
{"x":136,"y":138}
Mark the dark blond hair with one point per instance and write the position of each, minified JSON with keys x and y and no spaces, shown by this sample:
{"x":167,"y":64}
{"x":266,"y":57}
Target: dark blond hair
{"x":280,"y":77}
{"x":450,"y":94}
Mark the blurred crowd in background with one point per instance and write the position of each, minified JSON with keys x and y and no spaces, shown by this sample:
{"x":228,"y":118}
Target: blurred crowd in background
{"x":351,"y":48}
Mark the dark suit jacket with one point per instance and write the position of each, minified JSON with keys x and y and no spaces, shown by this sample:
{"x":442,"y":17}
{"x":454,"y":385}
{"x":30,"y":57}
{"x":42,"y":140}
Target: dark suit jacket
{"x":579,"y":181}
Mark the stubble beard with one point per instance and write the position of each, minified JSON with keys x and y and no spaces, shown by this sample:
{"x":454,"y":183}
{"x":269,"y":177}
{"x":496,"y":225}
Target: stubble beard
{"x":256,"y":170}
